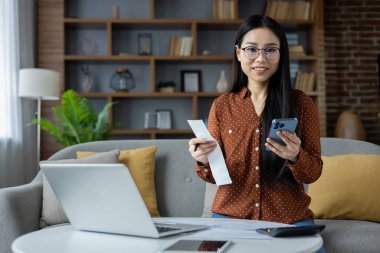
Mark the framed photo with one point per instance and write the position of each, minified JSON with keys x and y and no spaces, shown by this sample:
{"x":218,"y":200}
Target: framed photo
{"x":150,"y":120}
{"x":145,"y":43}
{"x":191,"y":80}
{"x":164,"y":119}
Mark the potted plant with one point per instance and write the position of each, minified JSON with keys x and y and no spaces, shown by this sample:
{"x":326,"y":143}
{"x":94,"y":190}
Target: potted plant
{"x":166,"y":86}
{"x":75,"y":122}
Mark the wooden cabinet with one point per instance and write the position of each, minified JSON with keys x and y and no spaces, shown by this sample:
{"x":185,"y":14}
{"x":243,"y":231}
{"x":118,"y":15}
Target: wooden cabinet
{"x":97,"y":41}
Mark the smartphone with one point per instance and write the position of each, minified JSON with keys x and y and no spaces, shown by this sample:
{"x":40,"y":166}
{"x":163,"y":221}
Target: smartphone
{"x":196,"y":246}
{"x":284,"y":124}
{"x":292,"y":231}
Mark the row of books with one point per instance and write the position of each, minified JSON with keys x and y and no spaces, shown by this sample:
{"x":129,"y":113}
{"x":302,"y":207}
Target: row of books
{"x":180,"y":46}
{"x":293,"y":38}
{"x":296,"y":50}
{"x":305,"y":81}
{"x":223,"y":9}
{"x":297,"y":10}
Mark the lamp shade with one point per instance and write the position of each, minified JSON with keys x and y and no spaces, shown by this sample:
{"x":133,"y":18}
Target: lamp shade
{"x":39,"y":83}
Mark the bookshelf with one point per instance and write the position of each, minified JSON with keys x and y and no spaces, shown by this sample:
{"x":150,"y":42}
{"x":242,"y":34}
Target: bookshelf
{"x":114,"y":44}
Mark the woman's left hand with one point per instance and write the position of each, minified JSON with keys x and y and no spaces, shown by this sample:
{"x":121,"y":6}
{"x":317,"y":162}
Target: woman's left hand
{"x":290,"y":151}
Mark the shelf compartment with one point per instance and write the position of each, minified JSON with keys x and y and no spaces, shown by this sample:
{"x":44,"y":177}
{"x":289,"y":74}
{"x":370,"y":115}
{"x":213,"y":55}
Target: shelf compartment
{"x":102,"y":71}
{"x":86,"y":39}
{"x":209,"y":40}
{"x":204,"y":106}
{"x":125,"y":37}
{"x":210,"y":73}
{"x":180,"y":9}
{"x":129,"y":113}
{"x":103,"y":9}
{"x":248,"y":7}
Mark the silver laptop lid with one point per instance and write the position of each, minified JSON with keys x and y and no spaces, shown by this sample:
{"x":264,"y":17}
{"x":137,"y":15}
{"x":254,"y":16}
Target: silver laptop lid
{"x":100,"y":197}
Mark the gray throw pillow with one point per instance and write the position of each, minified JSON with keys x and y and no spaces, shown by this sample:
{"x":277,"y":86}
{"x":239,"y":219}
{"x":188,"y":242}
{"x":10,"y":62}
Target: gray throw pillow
{"x":52,"y":211}
{"x":209,"y":199}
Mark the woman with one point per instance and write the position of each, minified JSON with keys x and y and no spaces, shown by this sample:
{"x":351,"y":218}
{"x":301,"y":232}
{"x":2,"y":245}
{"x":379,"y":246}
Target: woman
{"x":266,"y":185}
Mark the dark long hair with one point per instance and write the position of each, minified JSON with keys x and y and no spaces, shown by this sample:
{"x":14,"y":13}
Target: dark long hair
{"x":279,"y":102}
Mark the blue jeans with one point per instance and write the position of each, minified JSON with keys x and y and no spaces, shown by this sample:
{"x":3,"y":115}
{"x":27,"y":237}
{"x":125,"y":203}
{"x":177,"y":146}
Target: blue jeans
{"x":297,"y":224}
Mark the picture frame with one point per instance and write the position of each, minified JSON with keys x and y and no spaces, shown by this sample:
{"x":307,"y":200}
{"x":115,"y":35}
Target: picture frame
{"x":145,"y":43}
{"x":164,"y":119}
{"x":150,"y":120}
{"x":191,"y":80}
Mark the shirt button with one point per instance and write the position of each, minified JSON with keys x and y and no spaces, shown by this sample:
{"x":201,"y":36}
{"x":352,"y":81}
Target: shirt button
{"x":229,"y":131}
{"x":257,"y":148}
{"x":257,"y":185}
{"x":257,"y":205}
{"x":257,"y":130}
{"x":257,"y":167}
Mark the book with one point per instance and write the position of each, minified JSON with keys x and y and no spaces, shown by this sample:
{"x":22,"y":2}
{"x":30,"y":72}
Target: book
{"x":296,"y":50}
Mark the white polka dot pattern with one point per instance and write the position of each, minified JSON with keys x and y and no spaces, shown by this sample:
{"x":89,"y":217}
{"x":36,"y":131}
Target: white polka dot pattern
{"x":234,"y":123}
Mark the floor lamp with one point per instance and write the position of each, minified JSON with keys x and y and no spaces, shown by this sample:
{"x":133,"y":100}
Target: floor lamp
{"x":39,"y":84}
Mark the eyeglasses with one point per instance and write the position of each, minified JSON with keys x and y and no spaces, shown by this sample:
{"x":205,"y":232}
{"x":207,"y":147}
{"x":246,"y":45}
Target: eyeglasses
{"x":270,"y":53}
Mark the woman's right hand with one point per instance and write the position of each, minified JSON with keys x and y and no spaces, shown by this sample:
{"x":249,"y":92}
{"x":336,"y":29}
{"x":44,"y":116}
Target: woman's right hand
{"x":200,"y":148}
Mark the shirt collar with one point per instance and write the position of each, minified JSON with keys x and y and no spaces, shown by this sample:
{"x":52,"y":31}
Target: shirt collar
{"x":244,"y":92}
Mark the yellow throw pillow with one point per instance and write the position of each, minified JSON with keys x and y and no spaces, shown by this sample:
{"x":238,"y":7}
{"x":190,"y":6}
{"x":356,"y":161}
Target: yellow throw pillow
{"x":141,"y":164}
{"x":349,"y":188}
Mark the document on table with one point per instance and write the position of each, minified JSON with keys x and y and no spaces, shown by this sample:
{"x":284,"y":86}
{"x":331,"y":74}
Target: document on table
{"x":227,"y":234}
{"x":215,"y":158}
{"x":223,"y":228}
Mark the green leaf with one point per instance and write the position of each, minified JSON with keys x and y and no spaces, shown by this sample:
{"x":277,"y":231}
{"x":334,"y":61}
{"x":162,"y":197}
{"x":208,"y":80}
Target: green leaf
{"x":75,"y":122}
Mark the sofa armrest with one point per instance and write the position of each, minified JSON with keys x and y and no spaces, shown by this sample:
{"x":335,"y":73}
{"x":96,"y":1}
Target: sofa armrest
{"x":20,"y":211}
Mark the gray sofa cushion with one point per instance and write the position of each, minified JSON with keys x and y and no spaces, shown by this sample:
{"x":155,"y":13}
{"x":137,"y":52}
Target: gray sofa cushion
{"x":175,"y":175}
{"x":209,"y":199}
{"x":52,"y":211}
{"x":361,"y":236}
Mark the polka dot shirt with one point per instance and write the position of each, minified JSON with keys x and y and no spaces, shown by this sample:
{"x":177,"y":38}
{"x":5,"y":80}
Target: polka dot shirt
{"x":234,"y":123}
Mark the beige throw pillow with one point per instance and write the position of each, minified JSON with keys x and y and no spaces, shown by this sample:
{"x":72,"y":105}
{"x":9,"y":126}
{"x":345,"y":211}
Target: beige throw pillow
{"x":141,"y":163}
{"x":348,"y":188}
{"x":52,"y":211}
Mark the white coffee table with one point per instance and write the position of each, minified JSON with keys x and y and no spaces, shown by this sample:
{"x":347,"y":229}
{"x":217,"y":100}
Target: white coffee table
{"x":65,"y":239}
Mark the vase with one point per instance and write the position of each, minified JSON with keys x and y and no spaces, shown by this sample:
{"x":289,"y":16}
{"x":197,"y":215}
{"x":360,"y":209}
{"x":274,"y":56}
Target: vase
{"x":87,"y":83}
{"x":122,"y":80}
{"x":350,"y":126}
{"x":222,"y":85}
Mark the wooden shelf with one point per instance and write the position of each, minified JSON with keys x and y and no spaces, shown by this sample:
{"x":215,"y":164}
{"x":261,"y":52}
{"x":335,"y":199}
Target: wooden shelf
{"x":303,"y":57}
{"x":151,"y":131}
{"x":120,"y":35}
{"x":148,"y":94}
{"x":175,"y":21}
{"x":146,"y":58}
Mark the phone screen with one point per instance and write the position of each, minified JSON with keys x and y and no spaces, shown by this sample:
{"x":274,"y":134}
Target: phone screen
{"x":197,"y":245}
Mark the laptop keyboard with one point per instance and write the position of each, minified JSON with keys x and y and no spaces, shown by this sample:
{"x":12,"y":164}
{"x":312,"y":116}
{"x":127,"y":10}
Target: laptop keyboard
{"x":166,"y":229}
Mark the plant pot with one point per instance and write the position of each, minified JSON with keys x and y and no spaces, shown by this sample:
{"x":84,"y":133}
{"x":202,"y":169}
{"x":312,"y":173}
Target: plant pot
{"x":167,"y":89}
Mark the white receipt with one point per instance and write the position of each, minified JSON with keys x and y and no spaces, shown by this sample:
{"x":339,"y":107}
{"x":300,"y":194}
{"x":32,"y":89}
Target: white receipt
{"x":215,"y":158}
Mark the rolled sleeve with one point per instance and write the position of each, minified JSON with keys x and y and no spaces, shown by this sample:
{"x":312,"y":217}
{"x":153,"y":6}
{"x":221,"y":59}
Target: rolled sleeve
{"x":307,"y":169}
{"x":204,"y":172}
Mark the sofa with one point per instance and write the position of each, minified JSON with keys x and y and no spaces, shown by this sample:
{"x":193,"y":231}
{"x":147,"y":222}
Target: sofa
{"x":175,"y":178}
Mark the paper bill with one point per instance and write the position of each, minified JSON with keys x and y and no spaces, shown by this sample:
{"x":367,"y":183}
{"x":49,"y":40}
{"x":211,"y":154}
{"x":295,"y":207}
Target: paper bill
{"x":215,"y":158}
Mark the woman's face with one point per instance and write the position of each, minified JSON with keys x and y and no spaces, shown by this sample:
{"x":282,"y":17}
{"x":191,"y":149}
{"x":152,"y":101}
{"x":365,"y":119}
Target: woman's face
{"x":260,"y":69}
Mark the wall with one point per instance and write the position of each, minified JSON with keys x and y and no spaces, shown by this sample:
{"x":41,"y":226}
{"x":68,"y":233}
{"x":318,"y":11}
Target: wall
{"x":352,"y":43}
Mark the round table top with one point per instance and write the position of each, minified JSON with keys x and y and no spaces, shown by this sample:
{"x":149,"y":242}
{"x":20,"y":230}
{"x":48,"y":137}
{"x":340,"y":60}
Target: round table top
{"x":66,"y":239}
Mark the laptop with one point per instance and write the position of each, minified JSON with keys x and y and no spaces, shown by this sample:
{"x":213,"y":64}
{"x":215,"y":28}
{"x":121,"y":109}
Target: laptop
{"x":104,"y":198}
